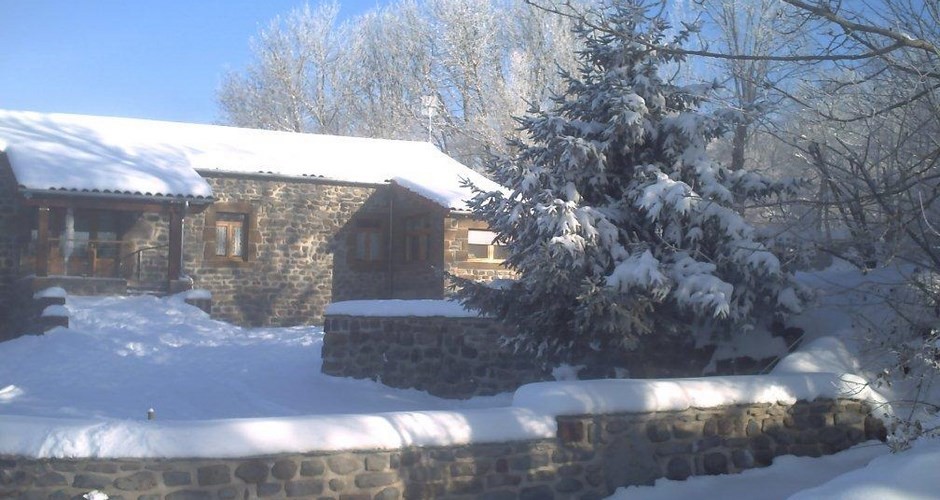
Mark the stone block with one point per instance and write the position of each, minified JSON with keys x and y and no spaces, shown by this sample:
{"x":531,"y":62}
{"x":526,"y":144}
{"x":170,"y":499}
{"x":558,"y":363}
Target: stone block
{"x":51,"y":479}
{"x":715,"y":463}
{"x":708,"y":443}
{"x":465,"y":487}
{"x":390,"y":493}
{"x":337,"y":484}
{"x":568,"y":485}
{"x":499,"y":480}
{"x":541,"y":492}
{"x":189,"y":495}
{"x":541,"y":476}
{"x":498,"y":495}
{"x":377,"y":462}
{"x":177,"y":478}
{"x":228,"y":493}
{"x":91,"y":481}
{"x":849,"y":418}
{"x":312,"y":467}
{"x":375,"y":479}
{"x":343,"y":465}
{"x":678,"y":468}
{"x":423,"y":491}
{"x":875,"y":429}
{"x":832,"y":436}
{"x":529,"y":461}
{"x":742,"y":458}
{"x":687,"y":429}
{"x":213,"y":475}
{"x":464,"y":469}
{"x":284,"y":469}
{"x":752,"y":428}
{"x":138,"y":481}
{"x":303,"y":488}
{"x":254,"y":471}
{"x":268,"y":489}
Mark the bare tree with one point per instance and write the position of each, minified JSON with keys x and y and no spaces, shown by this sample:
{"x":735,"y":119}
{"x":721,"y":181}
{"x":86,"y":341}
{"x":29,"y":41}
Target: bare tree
{"x":294,"y":82}
{"x":479,"y":63}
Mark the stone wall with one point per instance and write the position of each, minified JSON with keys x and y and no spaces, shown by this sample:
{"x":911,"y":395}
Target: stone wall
{"x":8,"y":254}
{"x":148,"y":235}
{"x":456,"y":228}
{"x":297,"y":259}
{"x":448,"y":357}
{"x":413,"y":278}
{"x":589,"y":458}
{"x":464,"y":357}
{"x":26,"y":309}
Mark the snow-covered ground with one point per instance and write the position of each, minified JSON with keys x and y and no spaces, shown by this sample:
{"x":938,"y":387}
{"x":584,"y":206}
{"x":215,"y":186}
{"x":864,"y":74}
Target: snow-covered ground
{"x":125,"y":355}
{"x":87,"y":390}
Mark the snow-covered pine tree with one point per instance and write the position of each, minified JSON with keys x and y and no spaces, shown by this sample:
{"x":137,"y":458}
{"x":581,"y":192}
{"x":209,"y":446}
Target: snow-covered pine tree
{"x":617,"y":222}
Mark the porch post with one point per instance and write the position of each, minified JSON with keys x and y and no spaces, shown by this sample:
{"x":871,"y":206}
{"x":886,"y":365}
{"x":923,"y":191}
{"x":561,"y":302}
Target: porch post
{"x":176,"y":243}
{"x":42,"y":245}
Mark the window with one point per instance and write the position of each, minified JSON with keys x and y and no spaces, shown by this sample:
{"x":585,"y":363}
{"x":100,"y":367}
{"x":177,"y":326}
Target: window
{"x":481,"y":246}
{"x":366,"y":241}
{"x":230,"y":235}
{"x":417,"y":238}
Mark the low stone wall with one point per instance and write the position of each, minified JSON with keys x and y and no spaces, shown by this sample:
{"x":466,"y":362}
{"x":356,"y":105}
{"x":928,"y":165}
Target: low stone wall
{"x":27,"y":310}
{"x":590,"y":457}
{"x":462,"y":357}
{"x":446,"y":356}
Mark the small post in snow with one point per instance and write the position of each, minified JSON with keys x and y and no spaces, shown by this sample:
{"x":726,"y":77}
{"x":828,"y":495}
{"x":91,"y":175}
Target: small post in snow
{"x":151,"y":415}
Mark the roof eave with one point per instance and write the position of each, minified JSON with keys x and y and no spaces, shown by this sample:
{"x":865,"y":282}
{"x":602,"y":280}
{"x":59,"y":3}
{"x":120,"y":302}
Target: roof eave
{"x":85,"y":194}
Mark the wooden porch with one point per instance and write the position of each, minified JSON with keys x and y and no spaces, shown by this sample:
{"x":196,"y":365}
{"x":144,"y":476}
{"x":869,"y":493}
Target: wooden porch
{"x":90,"y":238}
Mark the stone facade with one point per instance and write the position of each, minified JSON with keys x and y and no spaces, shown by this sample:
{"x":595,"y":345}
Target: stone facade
{"x":8,"y":231}
{"x":300,"y":236}
{"x":456,"y":256}
{"x":448,"y":357}
{"x":590,"y":457}
{"x":420,"y":276}
{"x":296,"y":256}
{"x":299,"y":247}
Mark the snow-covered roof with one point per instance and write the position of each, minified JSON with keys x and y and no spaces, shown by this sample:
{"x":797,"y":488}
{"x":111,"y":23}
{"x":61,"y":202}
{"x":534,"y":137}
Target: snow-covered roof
{"x":76,"y":152}
{"x":104,"y":156}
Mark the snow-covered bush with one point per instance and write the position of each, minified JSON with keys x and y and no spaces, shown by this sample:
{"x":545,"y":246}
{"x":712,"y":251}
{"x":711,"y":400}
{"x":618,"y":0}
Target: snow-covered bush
{"x":618,"y":223}
{"x":910,"y":337}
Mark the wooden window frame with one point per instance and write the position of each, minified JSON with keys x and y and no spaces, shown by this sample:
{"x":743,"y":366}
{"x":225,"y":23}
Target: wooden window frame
{"x":421,"y":234}
{"x":371,"y":230}
{"x":490,"y":247}
{"x":230,"y":215}
{"x":231,"y":223}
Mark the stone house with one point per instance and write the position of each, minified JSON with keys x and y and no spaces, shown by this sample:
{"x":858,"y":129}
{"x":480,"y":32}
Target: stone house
{"x":275,"y":224}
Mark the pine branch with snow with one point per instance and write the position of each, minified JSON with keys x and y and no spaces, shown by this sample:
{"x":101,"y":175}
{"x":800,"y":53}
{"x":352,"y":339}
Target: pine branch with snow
{"x":618,"y":223}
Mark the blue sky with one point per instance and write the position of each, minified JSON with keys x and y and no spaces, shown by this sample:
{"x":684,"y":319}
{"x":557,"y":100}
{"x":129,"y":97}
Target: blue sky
{"x":159,"y":59}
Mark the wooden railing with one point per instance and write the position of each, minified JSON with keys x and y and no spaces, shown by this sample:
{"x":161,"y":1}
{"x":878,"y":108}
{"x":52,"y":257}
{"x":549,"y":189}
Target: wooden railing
{"x":137,"y":258}
{"x":91,"y":258}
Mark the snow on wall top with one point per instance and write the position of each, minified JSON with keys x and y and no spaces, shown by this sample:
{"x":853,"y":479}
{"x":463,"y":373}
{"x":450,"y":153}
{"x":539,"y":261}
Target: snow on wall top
{"x":531,"y":416}
{"x":62,"y":438}
{"x":59,"y":151}
{"x":395,"y":308}
{"x":633,"y":395}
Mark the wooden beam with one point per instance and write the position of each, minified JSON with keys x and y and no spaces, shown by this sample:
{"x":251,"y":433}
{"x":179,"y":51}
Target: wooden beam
{"x":122,"y":205}
{"x":42,"y":245}
{"x":176,"y":243}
